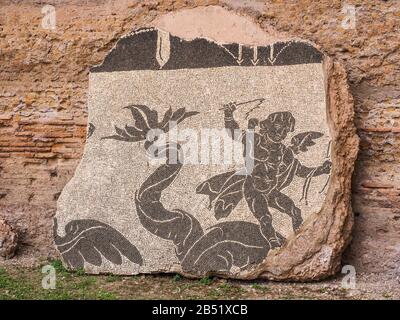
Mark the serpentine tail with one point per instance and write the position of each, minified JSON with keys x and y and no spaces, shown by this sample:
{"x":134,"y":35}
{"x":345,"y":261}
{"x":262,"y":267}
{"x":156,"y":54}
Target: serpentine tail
{"x":176,"y":225}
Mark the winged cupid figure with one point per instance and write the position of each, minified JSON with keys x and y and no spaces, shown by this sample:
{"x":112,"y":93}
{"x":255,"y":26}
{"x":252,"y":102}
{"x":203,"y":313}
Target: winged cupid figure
{"x":275,"y":166}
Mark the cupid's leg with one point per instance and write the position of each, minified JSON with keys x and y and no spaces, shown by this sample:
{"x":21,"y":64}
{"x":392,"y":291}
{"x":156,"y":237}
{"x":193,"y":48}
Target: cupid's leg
{"x":259,"y":207}
{"x":283,"y":203}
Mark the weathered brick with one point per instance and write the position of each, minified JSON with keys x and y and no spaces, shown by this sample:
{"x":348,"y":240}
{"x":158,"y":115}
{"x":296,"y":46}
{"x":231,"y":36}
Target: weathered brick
{"x":44,"y":80}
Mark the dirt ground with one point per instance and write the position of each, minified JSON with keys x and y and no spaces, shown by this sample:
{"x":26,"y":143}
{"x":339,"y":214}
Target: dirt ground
{"x":25,"y":282}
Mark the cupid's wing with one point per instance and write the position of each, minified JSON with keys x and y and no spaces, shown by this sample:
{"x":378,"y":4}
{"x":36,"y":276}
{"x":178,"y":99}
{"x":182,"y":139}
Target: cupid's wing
{"x":89,"y":240}
{"x":302,"y":141}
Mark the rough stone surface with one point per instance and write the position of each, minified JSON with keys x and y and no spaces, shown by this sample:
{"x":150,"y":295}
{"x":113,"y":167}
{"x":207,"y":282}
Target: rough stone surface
{"x":8,"y":240}
{"x":44,"y":81}
{"x":202,"y":218}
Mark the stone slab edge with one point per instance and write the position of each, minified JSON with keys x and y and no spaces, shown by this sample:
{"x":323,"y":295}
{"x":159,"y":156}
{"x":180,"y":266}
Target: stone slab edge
{"x":326,"y":236}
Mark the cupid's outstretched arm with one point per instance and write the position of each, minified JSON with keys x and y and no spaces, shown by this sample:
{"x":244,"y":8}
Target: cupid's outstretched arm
{"x":232,"y":126}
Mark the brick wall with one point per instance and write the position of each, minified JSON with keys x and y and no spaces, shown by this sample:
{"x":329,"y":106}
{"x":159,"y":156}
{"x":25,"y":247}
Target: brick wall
{"x":44,"y":80}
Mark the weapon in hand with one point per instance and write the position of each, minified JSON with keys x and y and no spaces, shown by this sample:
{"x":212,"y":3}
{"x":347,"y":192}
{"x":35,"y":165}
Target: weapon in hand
{"x":260,"y":100}
{"x":329,"y":175}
